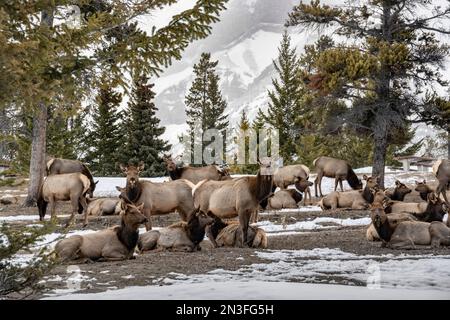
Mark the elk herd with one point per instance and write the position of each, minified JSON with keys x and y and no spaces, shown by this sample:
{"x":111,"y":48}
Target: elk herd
{"x":206,"y":198}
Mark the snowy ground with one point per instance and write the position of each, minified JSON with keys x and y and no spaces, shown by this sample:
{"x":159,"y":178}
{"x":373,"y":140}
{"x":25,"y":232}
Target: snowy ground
{"x":301,"y":274}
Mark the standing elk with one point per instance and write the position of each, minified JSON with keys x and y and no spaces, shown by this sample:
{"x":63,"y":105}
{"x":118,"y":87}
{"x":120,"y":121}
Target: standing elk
{"x":64,"y":187}
{"x":195,"y":174}
{"x":59,"y":166}
{"x":158,"y":198}
{"x":288,"y":175}
{"x":233,"y":198}
{"x":441,"y":169}
{"x":112,"y":244}
{"x":335,"y":168}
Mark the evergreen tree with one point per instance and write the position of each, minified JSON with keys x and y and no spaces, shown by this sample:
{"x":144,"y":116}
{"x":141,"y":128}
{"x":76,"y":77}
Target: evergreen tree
{"x":285,"y":103}
{"x":396,"y":56}
{"x":144,"y":142}
{"x":41,"y":59}
{"x":104,"y":136}
{"x":205,"y":105}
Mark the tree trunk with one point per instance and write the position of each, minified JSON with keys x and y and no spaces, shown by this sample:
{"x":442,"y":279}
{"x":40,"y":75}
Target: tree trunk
{"x":39,"y":137}
{"x":37,"y":161}
{"x":448,"y":144}
{"x":379,"y":155}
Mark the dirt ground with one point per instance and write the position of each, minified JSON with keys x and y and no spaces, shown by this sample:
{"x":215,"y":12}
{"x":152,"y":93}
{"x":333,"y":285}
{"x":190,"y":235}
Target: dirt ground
{"x":151,"y":268}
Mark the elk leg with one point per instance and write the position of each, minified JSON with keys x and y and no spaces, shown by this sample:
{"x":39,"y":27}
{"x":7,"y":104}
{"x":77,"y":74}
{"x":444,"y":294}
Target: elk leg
{"x":340,"y":184}
{"x":317,"y":182}
{"x":442,"y":189}
{"x":244,"y":218}
{"x":53,"y":209}
{"x":336,"y":180}
{"x":75,"y":204}
{"x":210,"y":236}
{"x":148,"y":214}
{"x":84,"y":205}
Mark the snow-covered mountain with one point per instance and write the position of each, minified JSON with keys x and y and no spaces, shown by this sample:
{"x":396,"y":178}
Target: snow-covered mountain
{"x":245,"y":42}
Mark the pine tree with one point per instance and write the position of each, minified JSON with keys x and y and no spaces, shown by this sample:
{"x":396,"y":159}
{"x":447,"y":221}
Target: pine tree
{"x":285,"y":104}
{"x":42,"y":61}
{"x":205,"y":105}
{"x":144,"y":142}
{"x":104,"y":136}
{"x":396,"y":56}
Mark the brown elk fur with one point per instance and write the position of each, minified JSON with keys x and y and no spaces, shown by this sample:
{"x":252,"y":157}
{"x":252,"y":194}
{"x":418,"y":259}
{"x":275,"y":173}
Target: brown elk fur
{"x":399,"y":192}
{"x":432,"y":210}
{"x":239,"y":197}
{"x":335,"y":168}
{"x":63,"y":187}
{"x":59,"y":166}
{"x":112,"y":244}
{"x":103,"y":206}
{"x":181,"y":236}
{"x":442,"y":171}
{"x":158,"y":198}
{"x":230,"y":235}
{"x":355,"y":199}
{"x":195,"y":174}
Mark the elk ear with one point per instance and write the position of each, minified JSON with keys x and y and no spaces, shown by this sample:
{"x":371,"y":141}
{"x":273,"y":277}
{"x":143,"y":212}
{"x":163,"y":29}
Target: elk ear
{"x":424,"y":182}
{"x":141,"y":166}
{"x":397,"y":183}
{"x":123,"y":168}
{"x":416,"y":182}
{"x":365,"y":177}
{"x":120,"y":189}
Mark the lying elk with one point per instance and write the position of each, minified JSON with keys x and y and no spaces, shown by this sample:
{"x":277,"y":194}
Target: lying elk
{"x":222,"y":234}
{"x":158,"y":198}
{"x":181,"y":236}
{"x":408,"y":234}
{"x":288,"y":175}
{"x":425,"y":189}
{"x":112,"y":244}
{"x":355,"y":199}
{"x":64,"y":187}
{"x":441,"y":170}
{"x":337,"y":169}
{"x":195,"y":174}
{"x":432,"y":210}
{"x":399,"y":192}
{"x":59,"y":166}
{"x":103,"y":206}
{"x":240,"y":197}
{"x":288,"y":198}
